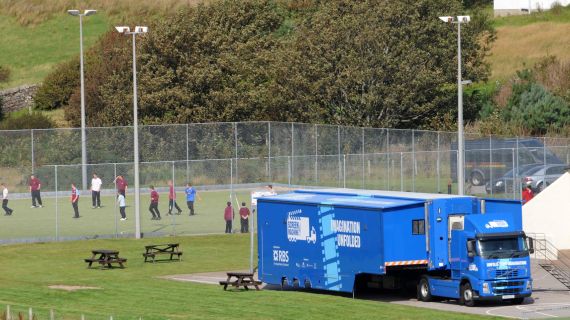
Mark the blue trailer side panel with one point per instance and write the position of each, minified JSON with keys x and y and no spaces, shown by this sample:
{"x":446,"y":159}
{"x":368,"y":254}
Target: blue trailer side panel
{"x":404,"y":245}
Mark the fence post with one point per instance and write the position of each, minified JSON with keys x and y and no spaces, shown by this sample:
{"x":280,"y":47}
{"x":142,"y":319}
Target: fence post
{"x":187,"y":153}
{"x":388,"y":157}
{"x":289,"y":170}
{"x":115,"y":202}
{"x":8,"y":315}
{"x":316,"y":154}
{"x":236,"y":149}
{"x":338,"y":153}
{"x":51,"y":314}
{"x":32,"y":145}
{"x":30,"y":314}
{"x":438,"y":163}
{"x":292,"y":162}
{"x":413,"y":160}
{"x":514,"y":173}
{"x":231,"y":179}
{"x":344,"y":170}
{"x":401,"y":171}
{"x":362,"y":149}
{"x":173,"y":216}
{"x":269,"y":150}
{"x":56,"y":206}
{"x":491,"y":164}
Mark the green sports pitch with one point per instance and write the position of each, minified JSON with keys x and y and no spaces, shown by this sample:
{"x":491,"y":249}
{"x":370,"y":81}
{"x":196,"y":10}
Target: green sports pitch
{"x":56,"y":217}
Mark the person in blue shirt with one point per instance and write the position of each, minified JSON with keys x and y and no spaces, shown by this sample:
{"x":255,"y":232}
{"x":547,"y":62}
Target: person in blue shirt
{"x":191,"y":197}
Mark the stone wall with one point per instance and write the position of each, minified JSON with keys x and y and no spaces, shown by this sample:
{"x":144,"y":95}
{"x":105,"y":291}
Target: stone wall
{"x":18,"y":98}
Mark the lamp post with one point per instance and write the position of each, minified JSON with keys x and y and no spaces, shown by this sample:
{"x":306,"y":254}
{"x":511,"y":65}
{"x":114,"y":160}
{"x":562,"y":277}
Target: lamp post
{"x":460,"y":136}
{"x":86,"y":13}
{"x":127,"y":31}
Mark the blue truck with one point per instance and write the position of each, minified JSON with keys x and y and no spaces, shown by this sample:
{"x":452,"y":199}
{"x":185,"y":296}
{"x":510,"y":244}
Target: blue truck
{"x":454,"y":247}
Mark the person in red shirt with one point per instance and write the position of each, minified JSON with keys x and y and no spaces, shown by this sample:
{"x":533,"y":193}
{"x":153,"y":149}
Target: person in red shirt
{"x":172,"y":199}
{"x":153,"y":208}
{"x":35,"y":186}
{"x":527,"y":194}
{"x":229,"y":216}
{"x":75,"y":200}
{"x":122,"y":185}
{"x":244,"y":215}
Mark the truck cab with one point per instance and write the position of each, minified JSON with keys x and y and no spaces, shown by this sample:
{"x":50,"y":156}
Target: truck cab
{"x":488,"y":260}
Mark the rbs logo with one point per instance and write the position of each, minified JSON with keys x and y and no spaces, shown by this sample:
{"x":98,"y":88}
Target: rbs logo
{"x":281,"y":256}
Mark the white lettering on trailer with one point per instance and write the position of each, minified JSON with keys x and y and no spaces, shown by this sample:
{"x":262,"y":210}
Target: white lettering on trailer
{"x":496,"y":224}
{"x":348,"y":233}
{"x":506,"y":263}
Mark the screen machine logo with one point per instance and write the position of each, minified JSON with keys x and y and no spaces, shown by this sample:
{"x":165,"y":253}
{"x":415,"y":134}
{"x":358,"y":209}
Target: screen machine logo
{"x":298,"y":228}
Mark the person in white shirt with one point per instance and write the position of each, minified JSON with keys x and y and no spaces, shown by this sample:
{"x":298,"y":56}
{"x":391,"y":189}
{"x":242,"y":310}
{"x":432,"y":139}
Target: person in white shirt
{"x":122,"y":206}
{"x":5,"y":200}
{"x":96,"y":191}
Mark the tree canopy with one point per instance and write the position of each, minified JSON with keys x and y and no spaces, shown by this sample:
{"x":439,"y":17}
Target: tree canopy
{"x":372,"y":63}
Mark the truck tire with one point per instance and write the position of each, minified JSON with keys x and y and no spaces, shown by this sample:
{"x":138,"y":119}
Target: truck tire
{"x":466,"y":296}
{"x":477,"y":179}
{"x":424,"y":292}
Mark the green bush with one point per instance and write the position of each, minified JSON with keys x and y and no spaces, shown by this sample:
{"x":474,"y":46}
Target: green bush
{"x":35,"y":120}
{"x":58,"y":86}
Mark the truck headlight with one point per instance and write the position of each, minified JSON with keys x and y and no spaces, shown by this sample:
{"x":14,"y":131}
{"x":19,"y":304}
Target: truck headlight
{"x":529,"y":285}
{"x":486,"y":287}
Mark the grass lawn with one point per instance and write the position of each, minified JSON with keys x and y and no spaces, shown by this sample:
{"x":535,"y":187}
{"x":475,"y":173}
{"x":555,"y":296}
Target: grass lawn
{"x":26,"y":272}
{"x":32,"y":51}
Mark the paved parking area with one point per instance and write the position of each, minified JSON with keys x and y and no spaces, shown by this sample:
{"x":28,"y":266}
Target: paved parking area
{"x":550,"y":298}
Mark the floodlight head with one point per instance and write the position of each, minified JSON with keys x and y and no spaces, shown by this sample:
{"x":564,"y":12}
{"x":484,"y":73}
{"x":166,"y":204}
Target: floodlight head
{"x":123,"y":29}
{"x":89,"y":12}
{"x":139,"y":29}
{"x":463,"y":19}
{"x":447,"y":19}
{"x":73,"y":12}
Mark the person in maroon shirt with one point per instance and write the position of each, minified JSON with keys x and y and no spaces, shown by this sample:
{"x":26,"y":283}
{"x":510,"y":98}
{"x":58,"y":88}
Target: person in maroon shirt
{"x":35,"y":186}
{"x":172,"y":199}
{"x":75,"y":200}
{"x":153,"y":208}
{"x":122,"y":185}
{"x":229,"y":216}
{"x":244,"y":215}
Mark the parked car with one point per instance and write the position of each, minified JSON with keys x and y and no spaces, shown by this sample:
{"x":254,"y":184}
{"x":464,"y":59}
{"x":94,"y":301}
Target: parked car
{"x":544,"y":176}
{"x":504,"y":183}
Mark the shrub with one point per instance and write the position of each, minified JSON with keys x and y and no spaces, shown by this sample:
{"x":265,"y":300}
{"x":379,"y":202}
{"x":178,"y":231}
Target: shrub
{"x":58,"y":86}
{"x":35,"y":120}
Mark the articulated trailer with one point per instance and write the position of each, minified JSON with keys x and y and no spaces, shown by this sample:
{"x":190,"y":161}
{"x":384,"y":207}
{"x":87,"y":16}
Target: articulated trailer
{"x":455,"y":247}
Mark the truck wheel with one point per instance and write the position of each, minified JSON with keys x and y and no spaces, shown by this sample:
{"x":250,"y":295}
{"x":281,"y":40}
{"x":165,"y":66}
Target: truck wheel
{"x":466,"y":297}
{"x":517,"y":300}
{"x":477,"y":179}
{"x":424,"y":293}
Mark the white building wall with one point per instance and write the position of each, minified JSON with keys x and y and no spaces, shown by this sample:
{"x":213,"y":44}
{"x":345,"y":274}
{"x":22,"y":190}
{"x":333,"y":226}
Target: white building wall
{"x":549,"y":213}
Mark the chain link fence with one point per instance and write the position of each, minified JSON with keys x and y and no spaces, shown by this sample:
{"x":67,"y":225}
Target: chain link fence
{"x":227,"y":161}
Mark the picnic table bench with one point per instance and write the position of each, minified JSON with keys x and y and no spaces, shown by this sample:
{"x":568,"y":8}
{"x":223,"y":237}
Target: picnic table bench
{"x":171,"y":249}
{"x":243,"y":279}
{"x":105,"y":258}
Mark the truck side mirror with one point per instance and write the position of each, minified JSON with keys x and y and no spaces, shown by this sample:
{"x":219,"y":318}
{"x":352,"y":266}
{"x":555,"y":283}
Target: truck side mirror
{"x":530,"y":245}
{"x":470,"y":248}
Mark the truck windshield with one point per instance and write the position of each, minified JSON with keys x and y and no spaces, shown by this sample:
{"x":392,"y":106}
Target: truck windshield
{"x":500,"y":248}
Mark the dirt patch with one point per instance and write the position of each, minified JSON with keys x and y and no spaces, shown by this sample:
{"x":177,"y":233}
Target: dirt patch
{"x":72,"y":288}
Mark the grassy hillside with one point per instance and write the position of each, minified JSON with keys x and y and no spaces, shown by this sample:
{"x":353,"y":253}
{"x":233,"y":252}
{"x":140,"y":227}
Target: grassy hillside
{"x":32,"y":51}
{"x":522,"y":40}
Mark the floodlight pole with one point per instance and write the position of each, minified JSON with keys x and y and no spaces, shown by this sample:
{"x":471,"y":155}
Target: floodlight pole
{"x":126,"y":31}
{"x":82,"y":79}
{"x":460,"y":134}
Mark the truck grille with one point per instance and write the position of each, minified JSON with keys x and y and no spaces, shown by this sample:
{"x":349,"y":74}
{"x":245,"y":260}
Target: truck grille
{"x":508,"y":287}
{"x":506,"y":273}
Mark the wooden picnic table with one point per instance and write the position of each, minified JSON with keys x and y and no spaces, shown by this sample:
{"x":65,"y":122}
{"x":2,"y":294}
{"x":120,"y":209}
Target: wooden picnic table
{"x":243,"y":279}
{"x":171,"y":249}
{"x":105,"y":258}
